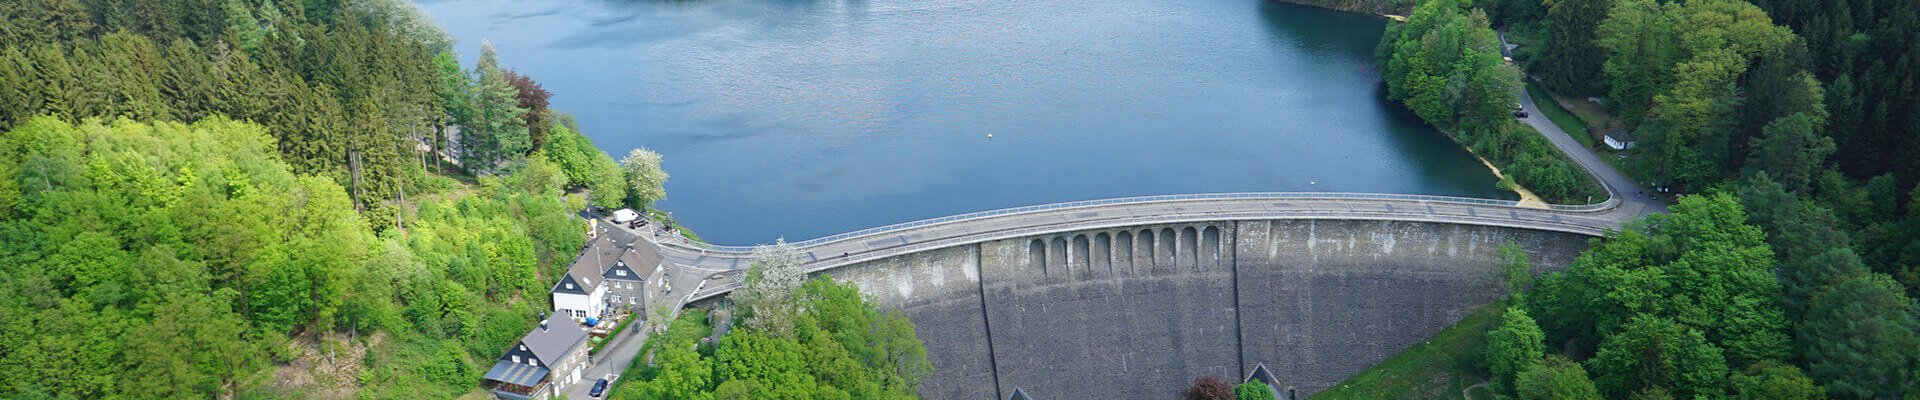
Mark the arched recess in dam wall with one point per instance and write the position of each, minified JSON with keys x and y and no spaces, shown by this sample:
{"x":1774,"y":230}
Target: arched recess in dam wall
{"x":1138,"y":312}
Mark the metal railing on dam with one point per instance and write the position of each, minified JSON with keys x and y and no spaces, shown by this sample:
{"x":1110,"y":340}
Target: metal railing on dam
{"x":1610,"y":203}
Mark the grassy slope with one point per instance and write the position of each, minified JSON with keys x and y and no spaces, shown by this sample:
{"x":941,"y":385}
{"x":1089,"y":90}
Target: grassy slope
{"x":1440,"y":368}
{"x":1574,"y":126}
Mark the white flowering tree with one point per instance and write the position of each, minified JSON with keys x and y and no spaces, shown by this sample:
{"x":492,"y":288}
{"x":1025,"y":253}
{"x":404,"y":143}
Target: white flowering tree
{"x":767,"y":296}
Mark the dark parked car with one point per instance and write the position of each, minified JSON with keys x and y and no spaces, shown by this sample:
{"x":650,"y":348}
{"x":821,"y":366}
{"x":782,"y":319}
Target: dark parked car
{"x":1520,"y":113}
{"x":599,"y":388}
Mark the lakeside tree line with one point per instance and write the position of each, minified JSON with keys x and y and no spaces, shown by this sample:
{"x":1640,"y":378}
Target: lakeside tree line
{"x":1445,"y":65}
{"x":274,"y":199}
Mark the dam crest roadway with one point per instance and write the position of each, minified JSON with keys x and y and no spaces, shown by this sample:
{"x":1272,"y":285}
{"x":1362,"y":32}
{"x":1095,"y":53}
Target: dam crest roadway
{"x":826,"y":253}
{"x":1145,"y":293}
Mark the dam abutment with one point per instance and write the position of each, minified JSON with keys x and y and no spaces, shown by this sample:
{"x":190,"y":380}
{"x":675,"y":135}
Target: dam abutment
{"x":1138,"y":312}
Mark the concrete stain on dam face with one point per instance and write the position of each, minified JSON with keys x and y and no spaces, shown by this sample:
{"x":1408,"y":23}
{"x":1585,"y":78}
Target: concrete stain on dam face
{"x":1139,"y":312}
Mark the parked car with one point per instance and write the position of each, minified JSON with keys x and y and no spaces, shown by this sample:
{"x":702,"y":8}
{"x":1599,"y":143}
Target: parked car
{"x":599,"y":388}
{"x":1520,"y":113}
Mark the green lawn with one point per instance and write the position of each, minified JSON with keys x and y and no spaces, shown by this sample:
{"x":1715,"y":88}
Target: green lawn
{"x":1440,"y":368}
{"x":1574,"y":126}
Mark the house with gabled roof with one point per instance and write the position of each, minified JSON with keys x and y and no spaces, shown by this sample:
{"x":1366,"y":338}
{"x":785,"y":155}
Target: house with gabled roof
{"x":626,"y":279}
{"x":1262,"y":374}
{"x":585,"y":291}
{"x":543,"y":363}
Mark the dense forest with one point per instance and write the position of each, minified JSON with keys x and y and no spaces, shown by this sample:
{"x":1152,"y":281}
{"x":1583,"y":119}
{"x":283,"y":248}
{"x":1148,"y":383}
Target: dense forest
{"x":275,"y":199}
{"x":1791,"y":272}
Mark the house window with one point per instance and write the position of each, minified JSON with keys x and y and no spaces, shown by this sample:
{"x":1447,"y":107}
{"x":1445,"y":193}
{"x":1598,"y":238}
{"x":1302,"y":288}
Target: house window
{"x":569,"y":286}
{"x":620,"y":272}
{"x":516,"y":359}
{"x":616,"y":298}
{"x":523,"y":347}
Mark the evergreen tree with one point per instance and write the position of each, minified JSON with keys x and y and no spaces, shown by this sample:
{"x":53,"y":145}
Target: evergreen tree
{"x":243,"y":30}
{"x":496,"y":132}
{"x":1570,"y":61}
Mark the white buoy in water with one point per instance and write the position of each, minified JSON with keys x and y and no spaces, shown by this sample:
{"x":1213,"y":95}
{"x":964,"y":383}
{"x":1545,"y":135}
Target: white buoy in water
{"x":989,"y":136}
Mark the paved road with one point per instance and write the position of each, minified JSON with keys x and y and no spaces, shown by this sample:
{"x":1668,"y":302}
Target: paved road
{"x":613,"y":359}
{"x":1633,"y":196}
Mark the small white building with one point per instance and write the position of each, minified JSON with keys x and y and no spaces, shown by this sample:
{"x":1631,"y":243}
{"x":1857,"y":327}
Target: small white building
{"x":1619,"y":139}
{"x":582,"y":293}
{"x":579,"y":297}
{"x":625,"y":215}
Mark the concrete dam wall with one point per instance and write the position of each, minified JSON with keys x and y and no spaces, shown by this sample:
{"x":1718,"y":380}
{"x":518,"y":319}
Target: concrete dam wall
{"x":1139,"y":312}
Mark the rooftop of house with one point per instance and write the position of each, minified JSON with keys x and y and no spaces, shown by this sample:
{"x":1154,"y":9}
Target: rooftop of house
{"x":638,"y":262}
{"x":1620,"y":135}
{"x":1263,"y":375}
{"x":608,"y":246}
{"x":550,"y":343}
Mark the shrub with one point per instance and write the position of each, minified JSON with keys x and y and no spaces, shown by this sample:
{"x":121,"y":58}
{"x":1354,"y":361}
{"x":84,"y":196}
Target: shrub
{"x":1209,"y":388}
{"x":1252,"y":391}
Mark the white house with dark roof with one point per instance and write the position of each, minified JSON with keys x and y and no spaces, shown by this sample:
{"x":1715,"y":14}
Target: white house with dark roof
{"x":544,"y":362}
{"x":610,"y":274}
{"x":580,"y":295}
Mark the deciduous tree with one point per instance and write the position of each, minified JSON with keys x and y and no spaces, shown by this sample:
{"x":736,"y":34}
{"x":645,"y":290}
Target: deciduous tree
{"x":1554,"y":378}
{"x":644,"y":176}
{"x":1792,"y":150}
{"x":1654,"y":352}
{"x":767,"y":292}
{"x":1513,"y":347}
{"x":1208,"y":388}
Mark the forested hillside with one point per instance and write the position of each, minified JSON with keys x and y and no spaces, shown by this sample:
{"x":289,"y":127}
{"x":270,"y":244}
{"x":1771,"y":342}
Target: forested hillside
{"x":1791,"y":272}
{"x":273,"y":199}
